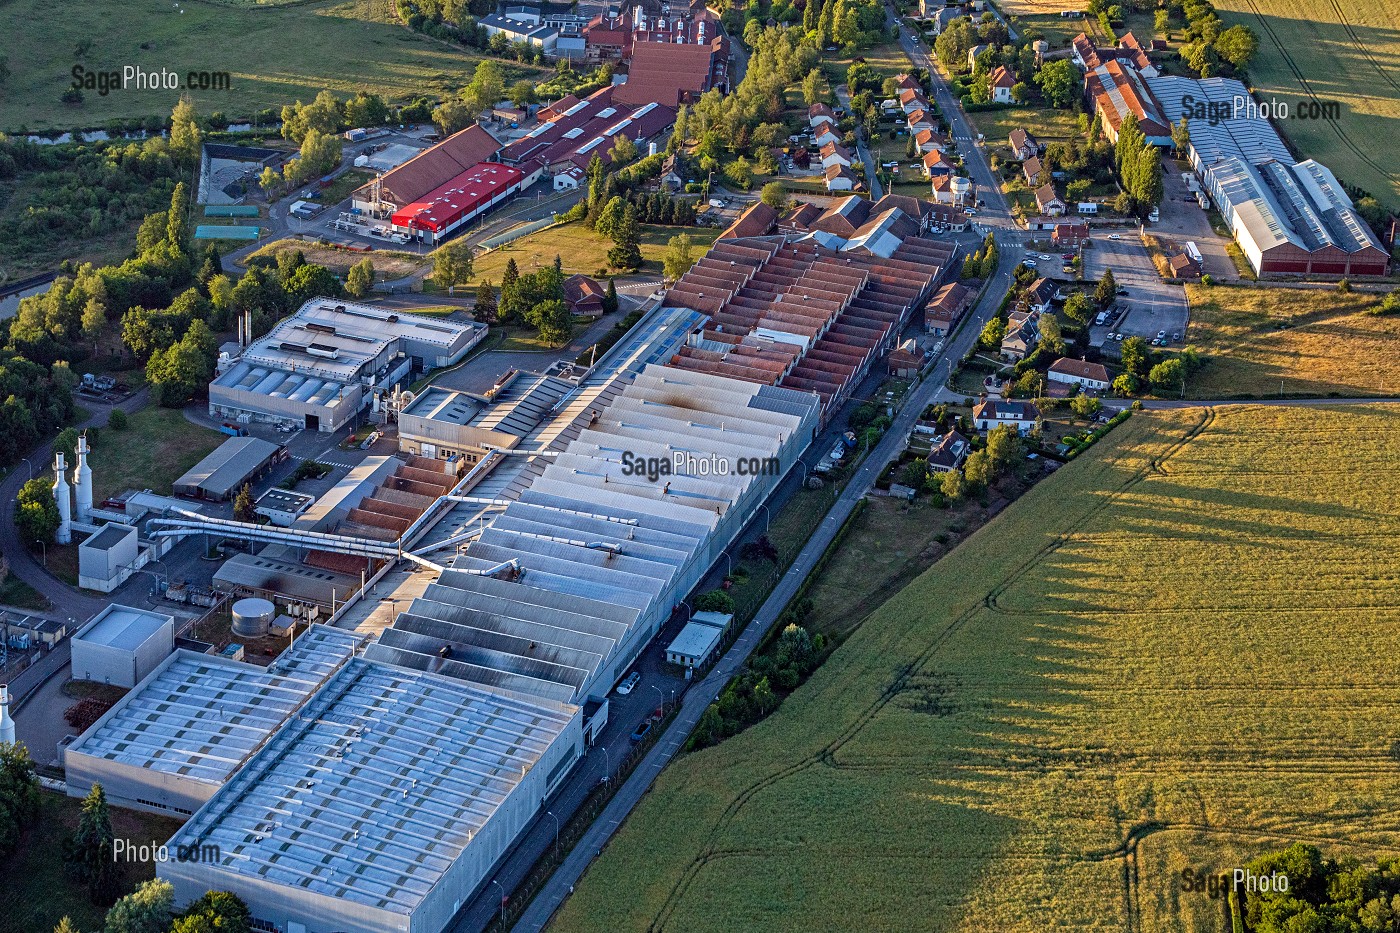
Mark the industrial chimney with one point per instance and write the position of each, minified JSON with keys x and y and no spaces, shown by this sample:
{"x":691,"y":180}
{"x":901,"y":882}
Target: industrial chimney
{"x":63,"y":500}
{"x":82,"y":481}
{"x":7,"y":724}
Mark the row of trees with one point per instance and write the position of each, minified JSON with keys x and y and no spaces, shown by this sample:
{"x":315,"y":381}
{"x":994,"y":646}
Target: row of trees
{"x":1139,"y":167}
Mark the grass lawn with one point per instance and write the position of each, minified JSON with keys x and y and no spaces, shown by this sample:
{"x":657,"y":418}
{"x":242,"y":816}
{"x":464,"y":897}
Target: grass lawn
{"x":15,"y":592}
{"x":1176,"y":651}
{"x":1310,"y":342}
{"x":275,"y":54}
{"x":1346,"y":53}
{"x":35,"y":893}
{"x":156,"y":448}
{"x":341,"y":188}
{"x":887,"y":59}
{"x":388,"y":264}
{"x":1045,"y":123}
{"x":582,"y":250}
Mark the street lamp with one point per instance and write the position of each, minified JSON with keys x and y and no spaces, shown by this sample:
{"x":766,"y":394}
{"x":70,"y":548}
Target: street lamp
{"x":550,"y":814}
{"x":767,"y":516}
{"x":662,"y":696}
{"x":503,"y":901}
{"x":607,"y":763}
{"x":46,"y":550}
{"x":30,"y":465}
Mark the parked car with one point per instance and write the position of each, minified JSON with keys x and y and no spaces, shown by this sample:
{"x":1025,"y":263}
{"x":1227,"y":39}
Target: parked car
{"x":630,"y":684}
{"x":1028,"y":262}
{"x":1114,"y":236}
{"x":1161,"y":335}
{"x":1122,"y":291}
{"x":1118,"y":337}
{"x":642,"y":731}
{"x":1043,"y":258}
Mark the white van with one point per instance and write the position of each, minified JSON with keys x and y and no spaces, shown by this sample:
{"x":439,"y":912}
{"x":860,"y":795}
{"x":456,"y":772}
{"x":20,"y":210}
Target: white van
{"x":1099,"y":321}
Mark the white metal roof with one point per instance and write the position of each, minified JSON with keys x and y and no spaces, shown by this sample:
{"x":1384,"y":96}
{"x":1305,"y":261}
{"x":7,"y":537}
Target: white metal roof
{"x":123,"y":627}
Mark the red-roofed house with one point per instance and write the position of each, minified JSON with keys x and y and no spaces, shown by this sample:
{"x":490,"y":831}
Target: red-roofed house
{"x":1000,"y":82}
{"x":833,"y":154}
{"x":584,"y":295}
{"x":1079,"y":373}
{"x":820,"y":113}
{"x":840,"y":178}
{"x":1070,"y":236}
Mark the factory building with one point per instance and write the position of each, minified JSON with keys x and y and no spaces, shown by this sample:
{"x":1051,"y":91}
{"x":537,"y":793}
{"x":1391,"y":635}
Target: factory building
{"x":316,"y":369}
{"x":122,"y":645}
{"x":412,"y":179}
{"x":1288,"y":217}
{"x":456,"y":202}
{"x":106,"y":559}
{"x":233,"y":463}
{"x":169,"y":745}
{"x":443,"y":424}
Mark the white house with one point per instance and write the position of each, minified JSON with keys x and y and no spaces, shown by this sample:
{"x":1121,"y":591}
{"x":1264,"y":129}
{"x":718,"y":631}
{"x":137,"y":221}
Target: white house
{"x":1000,"y":83}
{"x":993,"y":413}
{"x":840,"y":178}
{"x":1068,"y":371}
{"x":824,"y":135}
{"x":819,"y":114}
{"x":834,"y":154}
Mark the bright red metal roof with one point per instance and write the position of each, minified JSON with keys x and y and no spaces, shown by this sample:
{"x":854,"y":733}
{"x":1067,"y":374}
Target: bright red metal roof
{"x":440,"y":208}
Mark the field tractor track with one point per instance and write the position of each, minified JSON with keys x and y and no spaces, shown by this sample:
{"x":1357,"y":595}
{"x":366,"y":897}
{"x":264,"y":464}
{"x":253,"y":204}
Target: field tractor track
{"x":1362,"y":47}
{"x":1303,"y":83}
{"x":827,"y":754}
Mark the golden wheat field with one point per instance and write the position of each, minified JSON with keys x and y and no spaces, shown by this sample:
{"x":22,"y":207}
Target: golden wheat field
{"x":1175,"y":653}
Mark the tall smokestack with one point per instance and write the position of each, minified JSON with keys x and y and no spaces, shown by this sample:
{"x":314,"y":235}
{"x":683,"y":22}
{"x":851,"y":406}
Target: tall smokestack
{"x":7,"y":724}
{"x":82,"y":481}
{"x":64,"y":501}
{"x":240,"y":331}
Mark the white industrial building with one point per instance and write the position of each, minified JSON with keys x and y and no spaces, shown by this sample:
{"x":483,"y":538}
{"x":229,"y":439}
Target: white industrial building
{"x":385,"y":796}
{"x":697,"y":641}
{"x":443,"y":424}
{"x":169,"y":745}
{"x":107,"y":559}
{"x":122,"y":645}
{"x":317,"y":369}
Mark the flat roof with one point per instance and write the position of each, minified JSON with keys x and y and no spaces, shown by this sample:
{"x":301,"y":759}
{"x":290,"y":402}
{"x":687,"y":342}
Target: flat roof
{"x":696,"y":640}
{"x":517,"y":406}
{"x":285,"y":499}
{"x":199,"y":716}
{"x":124,"y":627}
{"x":109,"y":537}
{"x":373,"y":790}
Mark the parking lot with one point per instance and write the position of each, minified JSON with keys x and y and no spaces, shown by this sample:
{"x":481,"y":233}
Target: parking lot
{"x":1152,"y":306}
{"x":1183,"y":221}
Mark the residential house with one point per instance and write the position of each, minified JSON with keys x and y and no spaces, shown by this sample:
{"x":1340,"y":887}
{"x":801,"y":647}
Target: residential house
{"x":1020,"y":341}
{"x":1133,"y":53}
{"x":1048,"y":202}
{"x":834,"y":154}
{"x":1031,"y":168}
{"x":904,"y":82}
{"x":1023,"y":144}
{"x":818,"y":114}
{"x":946,"y":308}
{"x":948,"y":217}
{"x":972,"y":54}
{"x":1084,"y":53}
{"x":584,"y":296}
{"x":904,"y":363}
{"x":948,"y":452}
{"x":942,"y":189}
{"x":824,"y":134}
{"x":1042,"y":293}
{"x":942,"y":18}
{"x":1069,"y":236}
{"x":840,"y":178}
{"x":993,"y":413}
{"x":911,"y":99}
{"x":671,"y":178}
{"x":1091,"y":376}
{"x":936,"y":163}
{"x":928,"y":140}
{"x":1000,"y":83}
{"x":919,"y":120}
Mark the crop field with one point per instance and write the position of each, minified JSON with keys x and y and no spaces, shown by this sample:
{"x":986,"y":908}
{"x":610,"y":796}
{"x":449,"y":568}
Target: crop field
{"x":1271,"y":341}
{"x":1175,"y":652}
{"x":1342,"y":51}
{"x":275,"y":54}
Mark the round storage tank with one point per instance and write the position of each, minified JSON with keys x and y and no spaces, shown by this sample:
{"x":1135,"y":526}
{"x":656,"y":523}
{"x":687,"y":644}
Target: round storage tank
{"x":252,"y":616}
{"x":962,"y":187}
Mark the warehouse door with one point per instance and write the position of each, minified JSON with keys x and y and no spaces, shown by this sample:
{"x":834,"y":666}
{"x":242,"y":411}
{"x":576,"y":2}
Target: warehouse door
{"x":430,"y":451}
{"x":313,"y":423}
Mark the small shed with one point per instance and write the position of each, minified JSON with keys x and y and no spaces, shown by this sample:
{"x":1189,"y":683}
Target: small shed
{"x":106,"y":559}
{"x":697,"y":642}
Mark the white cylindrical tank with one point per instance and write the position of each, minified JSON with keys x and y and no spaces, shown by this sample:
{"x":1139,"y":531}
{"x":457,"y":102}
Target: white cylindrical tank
{"x":82,"y":481}
{"x":64,"y":501}
{"x":7,"y":723}
{"x":252,"y":616}
{"x":962,"y":188}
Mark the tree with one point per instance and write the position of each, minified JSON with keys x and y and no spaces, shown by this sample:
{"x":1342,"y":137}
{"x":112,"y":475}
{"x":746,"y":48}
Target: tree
{"x":992,"y":334}
{"x":117,"y":420}
{"x":186,"y":140}
{"x":1003,"y":446}
{"x":1085,"y":406}
{"x":215,"y":912}
{"x":522,"y":93}
{"x":1127,"y":384}
{"x":88,"y":853}
{"x":1167,"y":375}
{"x":36,"y":512}
{"x":1059,"y":82}
{"x":312,"y":281}
{"x":65,"y":926}
{"x":484,"y":310}
{"x":775,"y":196}
{"x":1181,"y":137}
{"x":1162,"y":22}
{"x":453,"y":115}
{"x":626,"y":254}
{"x":1135,"y":356}
{"x":610,"y":217}
{"x":1237,"y":45}
{"x":359,"y":281}
{"x":320,"y":154}
{"x":552,"y":320}
{"x":952,"y":485}
{"x":812,"y":85}
{"x":678,"y":258}
{"x":623,"y":151}
{"x":978,"y":469}
{"x":19,"y":789}
{"x":243,"y":509}
{"x":610,"y":303}
{"x":715,"y":601}
{"x":1106,"y":291}
{"x":915,"y":473}
{"x":148,"y":909}
{"x":452,"y":265}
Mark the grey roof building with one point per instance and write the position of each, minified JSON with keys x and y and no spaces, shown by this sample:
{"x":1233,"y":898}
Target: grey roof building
{"x":220,"y":475}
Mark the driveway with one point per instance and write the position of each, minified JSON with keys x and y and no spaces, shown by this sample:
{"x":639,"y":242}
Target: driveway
{"x":1153,"y":305}
{"x":1184,"y":221}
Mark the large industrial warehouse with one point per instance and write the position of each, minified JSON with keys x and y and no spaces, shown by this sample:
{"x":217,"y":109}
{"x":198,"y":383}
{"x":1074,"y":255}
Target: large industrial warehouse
{"x":315,"y":369}
{"x":404,"y":773}
{"x":1289,"y":217}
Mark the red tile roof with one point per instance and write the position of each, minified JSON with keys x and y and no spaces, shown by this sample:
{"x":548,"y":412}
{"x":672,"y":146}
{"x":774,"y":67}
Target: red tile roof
{"x":669,"y":73}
